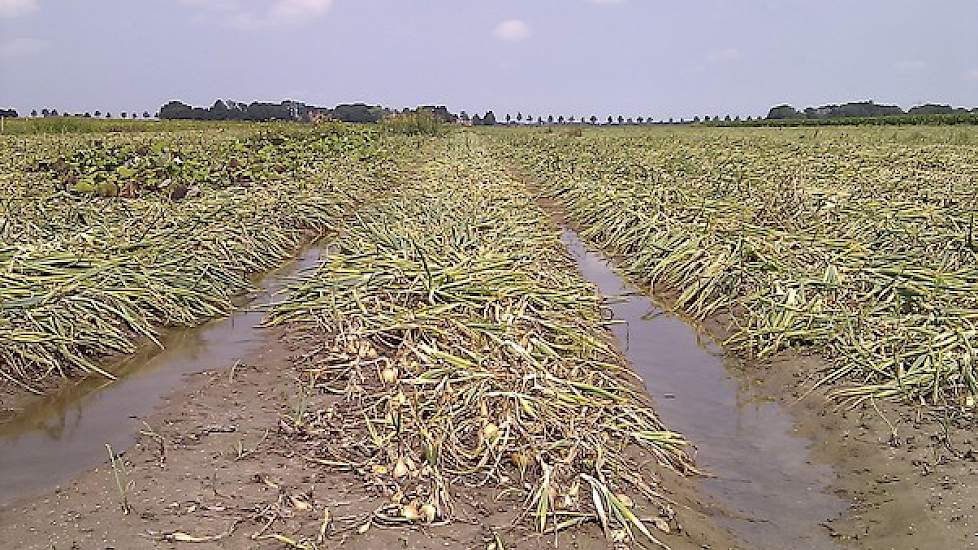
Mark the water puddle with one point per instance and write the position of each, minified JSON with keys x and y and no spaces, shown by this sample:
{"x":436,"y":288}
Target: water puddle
{"x":776,"y":496}
{"x":64,"y":434}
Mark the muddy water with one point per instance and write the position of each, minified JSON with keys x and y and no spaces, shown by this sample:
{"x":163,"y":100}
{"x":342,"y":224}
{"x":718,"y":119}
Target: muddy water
{"x":764,"y":478}
{"x":64,"y":434}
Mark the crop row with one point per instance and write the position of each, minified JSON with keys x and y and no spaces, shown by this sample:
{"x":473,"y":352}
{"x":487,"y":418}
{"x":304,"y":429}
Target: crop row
{"x":860,"y":249}
{"x":468,"y":352}
{"x":85,"y":274}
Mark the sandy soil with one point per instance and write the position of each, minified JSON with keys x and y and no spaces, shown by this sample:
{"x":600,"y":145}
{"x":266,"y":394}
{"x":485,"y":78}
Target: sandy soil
{"x":910,"y":477}
{"x":908,"y":473}
{"x":217,"y":470}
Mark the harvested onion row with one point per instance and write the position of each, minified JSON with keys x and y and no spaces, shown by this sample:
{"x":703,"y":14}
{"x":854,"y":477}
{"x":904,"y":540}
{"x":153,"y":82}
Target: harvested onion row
{"x":469,"y":353}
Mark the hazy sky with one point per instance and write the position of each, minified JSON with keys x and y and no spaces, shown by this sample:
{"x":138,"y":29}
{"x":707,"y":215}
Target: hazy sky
{"x":572,"y":57}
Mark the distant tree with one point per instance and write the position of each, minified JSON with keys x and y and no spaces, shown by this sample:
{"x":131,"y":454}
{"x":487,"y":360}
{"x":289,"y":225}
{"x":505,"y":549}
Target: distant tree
{"x":621,"y":119}
{"x":749,"y":118}
{"x":508,"y":118}
{"x":124,"y":114}
{"x":560,"y":119}
{"x":88,"y":115}
{"x":476,"y":120}
{"x":219,"y":111}
{"x":108,"y":114}
{"x":610,"y":120}
{"x":726,"y":118}
{"x":33,"y":112}
{"x":671,"y":120}
{"x":783,"y":111}
{"x":464,"y":116}
{"x":98,"y":114}
{"x":706,"y":118}
{"x":571,"y":119}
{"x":489,"y":119}
{"x":45,"y":112}
{"x":145,"y":114}
{"x":697,"y":118}
{"x":519,"y":116}
{"x":594,"y":119}
{"x":54,"y":112}
{"x":641,"y":120}
{"x":550,"y":119}
{"x":931,"y":109}
{"x":629,"y":120}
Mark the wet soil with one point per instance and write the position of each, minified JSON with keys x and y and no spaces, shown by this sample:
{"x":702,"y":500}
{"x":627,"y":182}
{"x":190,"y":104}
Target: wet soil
{"x":910,"y":478}
{"x":58,"y":436}
{"x":760,"y":468}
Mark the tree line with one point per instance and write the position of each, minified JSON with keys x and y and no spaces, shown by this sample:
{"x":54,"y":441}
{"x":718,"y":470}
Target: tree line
{"x":489,"y":119}
{"x":858,"y":112}
{"x":293,"y":110}
{"x":49,"y":113}
{"x":365,"y":113}
{"x":863,"y":109}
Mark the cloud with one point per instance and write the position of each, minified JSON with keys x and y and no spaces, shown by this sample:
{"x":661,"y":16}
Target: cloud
{"x":971,"y":75}
{"x":725,"y":55}
{"x":21,"y":47}
{"x":512,"y":30}
{"x":14,"y":8}
{"x":278,"y":13}
{"x":909,"y":65}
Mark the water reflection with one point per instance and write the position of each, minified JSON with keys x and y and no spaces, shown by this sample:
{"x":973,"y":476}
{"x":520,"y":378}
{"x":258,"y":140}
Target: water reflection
{"x":63,"y":434}
{"x":763,"y":474}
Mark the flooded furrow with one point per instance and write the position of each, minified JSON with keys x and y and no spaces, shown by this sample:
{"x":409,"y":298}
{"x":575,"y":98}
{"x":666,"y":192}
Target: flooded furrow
{"x":63,"y":434}
{"x":763,"y":475}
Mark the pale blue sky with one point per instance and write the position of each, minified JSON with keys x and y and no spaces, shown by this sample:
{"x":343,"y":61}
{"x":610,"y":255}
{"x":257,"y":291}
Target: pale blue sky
{"x":571,"y":57}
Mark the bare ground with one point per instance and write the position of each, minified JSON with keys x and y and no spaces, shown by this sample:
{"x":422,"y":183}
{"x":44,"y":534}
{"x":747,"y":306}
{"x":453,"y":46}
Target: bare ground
{"x":910,"y":477}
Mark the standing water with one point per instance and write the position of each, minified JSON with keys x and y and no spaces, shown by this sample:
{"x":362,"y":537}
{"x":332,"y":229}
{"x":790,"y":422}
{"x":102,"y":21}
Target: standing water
{"x":764,"y":478}
{"x":64,"y":434}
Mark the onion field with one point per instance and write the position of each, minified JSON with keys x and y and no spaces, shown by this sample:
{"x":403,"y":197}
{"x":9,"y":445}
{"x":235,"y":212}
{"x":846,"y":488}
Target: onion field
{"x":858,"y":245}
{"x":469,"y":352}
{"x":447,"y":360}
{"x":106,"y":239}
